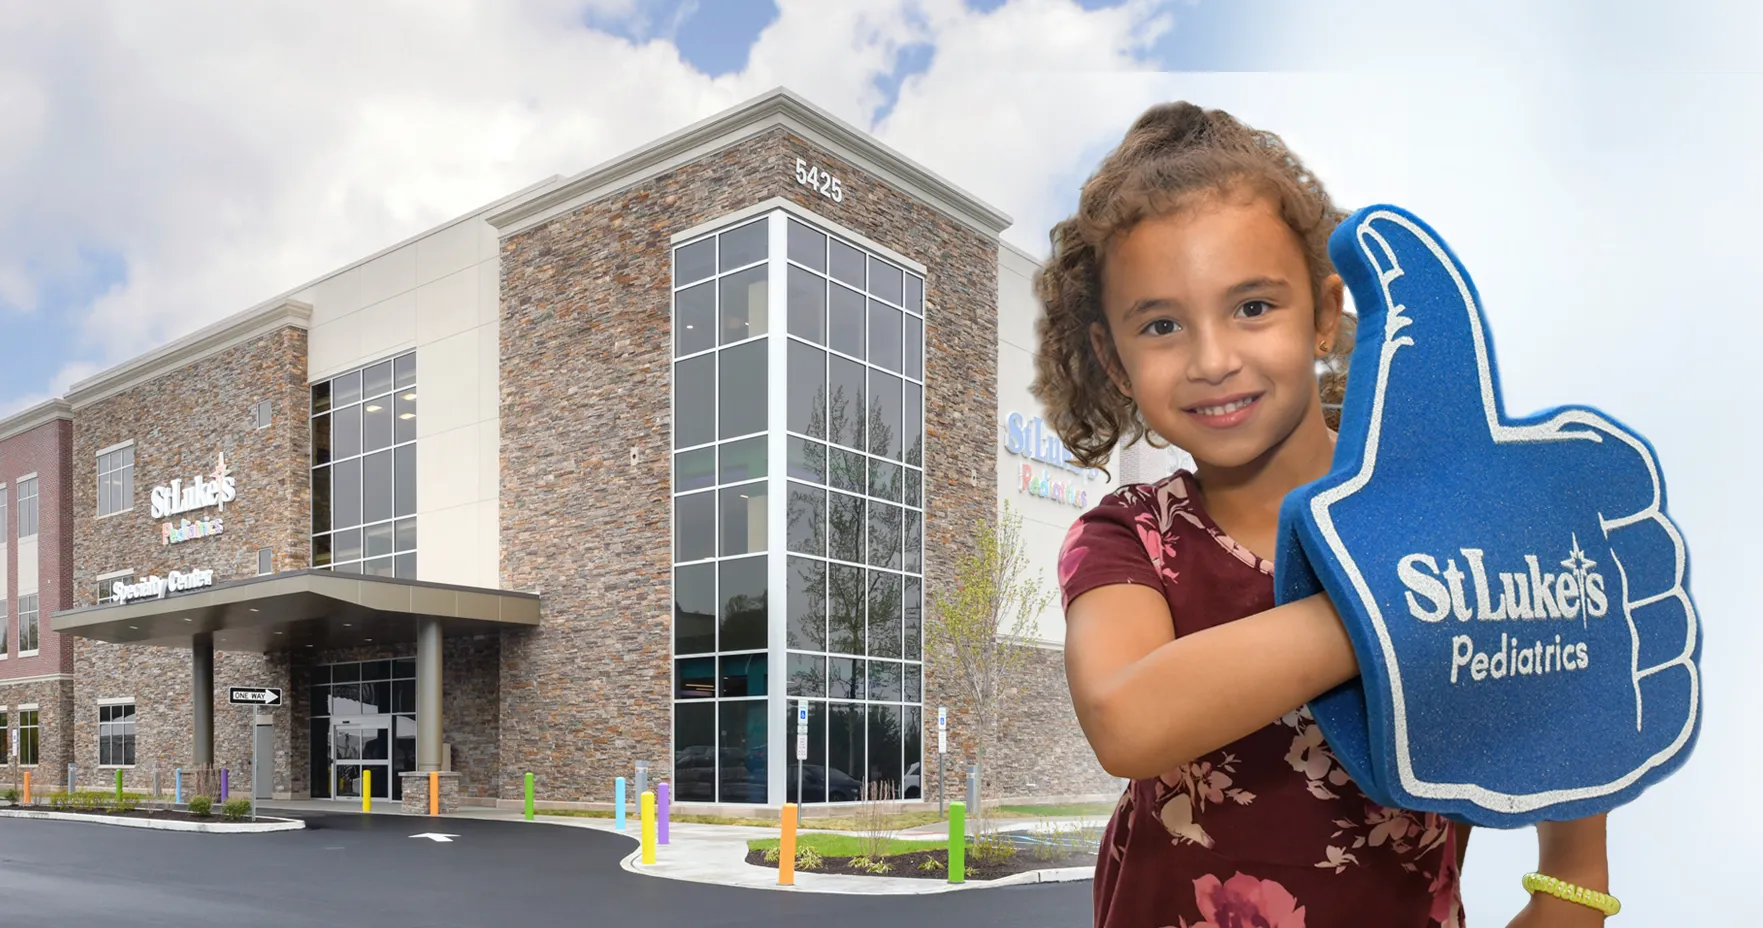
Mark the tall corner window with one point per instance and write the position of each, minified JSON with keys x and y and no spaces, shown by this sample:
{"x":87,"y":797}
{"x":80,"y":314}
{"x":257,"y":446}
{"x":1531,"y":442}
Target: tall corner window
{"x":265,"y":561}
{"x":27,"y":508}
{"x":27,"y":624}
{"x":4,"y":525}
{"x":364,"y":470}
{"x":27,"y":737}
{"x":261,"y":415}
{"x":116,"y":480}
{"x":116,"y":735}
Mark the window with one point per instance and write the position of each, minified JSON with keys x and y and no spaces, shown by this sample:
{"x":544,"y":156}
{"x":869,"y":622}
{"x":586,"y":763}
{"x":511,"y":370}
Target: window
{"x":722,"y":531}
{"x":5,"y":740}
{"x":116,"y":735}
{"x":27,"y":624}
{"x":364,"y":470}
{"x":27,"y":738}
{"x":261,"y":417}
{"x":265,"y":561}
{"x":27,"y":508}
{"x":378,"y":687}
{"x":4,"y":525}
{"x":853,"y":610}
{"x":116,"y":480}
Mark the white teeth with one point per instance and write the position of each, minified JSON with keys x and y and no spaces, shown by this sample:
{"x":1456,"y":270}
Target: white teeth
{"x":1226,"y":409}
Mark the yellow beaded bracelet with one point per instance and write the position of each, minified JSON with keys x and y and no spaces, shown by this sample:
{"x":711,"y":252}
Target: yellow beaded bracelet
{"x":1561,"y":889}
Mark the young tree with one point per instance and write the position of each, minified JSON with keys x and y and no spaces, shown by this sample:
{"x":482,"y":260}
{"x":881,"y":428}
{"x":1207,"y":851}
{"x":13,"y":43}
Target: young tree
{"x":976,"y":626}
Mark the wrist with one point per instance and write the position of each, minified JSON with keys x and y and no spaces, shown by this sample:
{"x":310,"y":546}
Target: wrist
{"x":1575,"y":851}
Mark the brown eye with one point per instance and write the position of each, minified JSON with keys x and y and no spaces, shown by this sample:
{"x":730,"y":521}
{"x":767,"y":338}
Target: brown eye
{"x":1255,"y":308}
{"x":1160,"y":327}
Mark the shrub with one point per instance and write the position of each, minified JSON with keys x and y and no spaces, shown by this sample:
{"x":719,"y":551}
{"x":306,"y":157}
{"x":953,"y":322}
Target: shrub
{"x":234,"y":810}
{"x":808,"y":859}
{"x":993,"y":848}
{"x":11,"y":796}
{"x":201,"y":805}
{"x":772,"y":855}
{"x":931,"y":863}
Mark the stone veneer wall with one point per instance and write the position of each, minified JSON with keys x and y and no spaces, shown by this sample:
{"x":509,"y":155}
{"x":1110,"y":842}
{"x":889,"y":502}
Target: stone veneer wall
{"x":179,"y":422}
{"x":586,"y":354}
{"x":45,"y":677}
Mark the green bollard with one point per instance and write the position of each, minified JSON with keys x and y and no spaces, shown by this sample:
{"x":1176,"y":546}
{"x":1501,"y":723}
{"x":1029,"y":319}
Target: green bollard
{"x":119,"y":785}
{"x":529,"y":797}
{"x":957,"y":841}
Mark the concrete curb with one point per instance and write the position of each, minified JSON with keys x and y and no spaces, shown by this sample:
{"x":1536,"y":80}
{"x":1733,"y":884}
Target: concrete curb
{"x":842,"y":884}
{"x":223,"y":828}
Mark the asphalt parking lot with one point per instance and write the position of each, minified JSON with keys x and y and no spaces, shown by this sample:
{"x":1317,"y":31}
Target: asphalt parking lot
{"x":352,"y":869}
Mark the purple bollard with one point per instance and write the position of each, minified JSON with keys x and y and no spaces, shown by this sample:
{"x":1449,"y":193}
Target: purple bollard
{"x":661,"y":812}
{"x":223,"y":784}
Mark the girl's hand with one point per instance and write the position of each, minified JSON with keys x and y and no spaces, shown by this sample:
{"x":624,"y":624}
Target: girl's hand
{"x":1574,"y":851}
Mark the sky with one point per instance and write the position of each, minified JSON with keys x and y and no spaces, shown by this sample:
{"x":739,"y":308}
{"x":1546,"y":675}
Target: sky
{"x":164,"y":165}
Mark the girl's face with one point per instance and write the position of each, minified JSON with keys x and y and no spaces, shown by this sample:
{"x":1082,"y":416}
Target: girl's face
{"x":1211,"y":316}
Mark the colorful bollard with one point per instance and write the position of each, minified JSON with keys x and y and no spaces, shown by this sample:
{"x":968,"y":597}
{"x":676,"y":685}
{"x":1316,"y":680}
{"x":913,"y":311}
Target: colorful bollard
{"x":529,"y":797}
{"x":177,"y":786}
{"x":648,"y":827}
{"x":786,"y":848}
{"x":957,"y":842}
{"x":434,"y":793}
{"x":661,"y":800}
{"x":27,"y":787}
{"x":223,"y":784}
{"x":366,"y":789}
{"x":119,"y":784}
{"x":618,"y":802}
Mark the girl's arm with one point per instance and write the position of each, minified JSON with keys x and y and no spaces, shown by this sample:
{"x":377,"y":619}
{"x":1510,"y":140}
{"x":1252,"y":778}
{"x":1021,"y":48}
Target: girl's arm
{"x":1577,"y":852}
{"x":1148,"y":701}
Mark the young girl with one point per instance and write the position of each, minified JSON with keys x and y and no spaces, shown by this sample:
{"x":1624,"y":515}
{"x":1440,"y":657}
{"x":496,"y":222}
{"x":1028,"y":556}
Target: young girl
{"x":1192,"y":296}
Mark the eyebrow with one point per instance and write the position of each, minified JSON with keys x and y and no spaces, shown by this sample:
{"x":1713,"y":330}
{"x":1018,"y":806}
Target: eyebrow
{"x":1239,"y":289}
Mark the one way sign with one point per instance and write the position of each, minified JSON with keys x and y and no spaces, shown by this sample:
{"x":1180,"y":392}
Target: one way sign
{"x":254,"y":695}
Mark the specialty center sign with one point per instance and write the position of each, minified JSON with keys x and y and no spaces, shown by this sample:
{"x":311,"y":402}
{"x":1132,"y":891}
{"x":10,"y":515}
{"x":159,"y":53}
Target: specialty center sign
{"x":157,"y":587}
{"x":1515,"y":593}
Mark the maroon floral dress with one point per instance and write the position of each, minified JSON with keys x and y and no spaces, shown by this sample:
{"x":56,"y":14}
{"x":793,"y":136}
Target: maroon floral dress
{"x":1269,"y":831}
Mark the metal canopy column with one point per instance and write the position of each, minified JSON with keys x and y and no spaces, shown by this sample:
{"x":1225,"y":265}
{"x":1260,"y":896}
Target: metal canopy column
{"x":428,"y":694}
{"x":202,"y":699}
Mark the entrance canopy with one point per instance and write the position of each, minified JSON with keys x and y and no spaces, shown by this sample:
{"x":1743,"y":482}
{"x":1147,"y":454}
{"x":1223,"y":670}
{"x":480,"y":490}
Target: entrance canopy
{"x":302,"y":608}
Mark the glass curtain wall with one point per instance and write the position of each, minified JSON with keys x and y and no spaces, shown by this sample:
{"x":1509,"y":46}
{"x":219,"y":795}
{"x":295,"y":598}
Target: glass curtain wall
{"x":843,"y":585}
{"x":364,"y":470}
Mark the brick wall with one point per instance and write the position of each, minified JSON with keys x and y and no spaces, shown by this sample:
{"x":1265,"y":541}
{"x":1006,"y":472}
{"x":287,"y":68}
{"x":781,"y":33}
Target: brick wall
{"x":586,"y":349}
{"x":41,"y":678}
{"x":180,"y":422}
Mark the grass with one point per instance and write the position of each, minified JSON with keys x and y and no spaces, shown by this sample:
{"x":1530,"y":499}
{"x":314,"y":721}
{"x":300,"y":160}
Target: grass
{"x":846,"y":845}
{"x":849,"y":823}
{"x":1077,"y":808}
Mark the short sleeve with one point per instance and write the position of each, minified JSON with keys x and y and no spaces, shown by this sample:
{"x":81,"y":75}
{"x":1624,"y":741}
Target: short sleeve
{"x":1109,"y":544}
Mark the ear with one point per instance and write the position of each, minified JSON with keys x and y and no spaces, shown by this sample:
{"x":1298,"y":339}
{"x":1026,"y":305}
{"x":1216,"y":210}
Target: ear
{"x":1103,"y":345}
{"x":1330,"y":305}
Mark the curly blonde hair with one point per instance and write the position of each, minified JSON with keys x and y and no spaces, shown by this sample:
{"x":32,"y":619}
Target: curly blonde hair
{"x":1174,"y":154}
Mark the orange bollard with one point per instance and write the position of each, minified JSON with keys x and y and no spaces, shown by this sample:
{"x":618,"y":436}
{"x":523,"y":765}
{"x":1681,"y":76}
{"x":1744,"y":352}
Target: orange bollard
{"x":434,"y":793}
{"x":27,"y":787}
{"x":786,"y":850}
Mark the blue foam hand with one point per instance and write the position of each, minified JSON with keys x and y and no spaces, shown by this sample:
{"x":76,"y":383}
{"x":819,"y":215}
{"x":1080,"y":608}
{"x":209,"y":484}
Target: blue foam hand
{"x":1515,"y":592}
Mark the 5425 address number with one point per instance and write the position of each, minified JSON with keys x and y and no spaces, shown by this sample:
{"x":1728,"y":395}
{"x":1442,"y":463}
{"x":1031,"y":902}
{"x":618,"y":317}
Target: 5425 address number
{"x":820,"y":181}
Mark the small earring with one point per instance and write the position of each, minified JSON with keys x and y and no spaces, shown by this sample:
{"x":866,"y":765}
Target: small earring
{"x":1323,"y":347}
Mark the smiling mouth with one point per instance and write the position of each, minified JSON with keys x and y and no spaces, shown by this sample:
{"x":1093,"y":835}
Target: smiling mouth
{"x":1226,"y":408}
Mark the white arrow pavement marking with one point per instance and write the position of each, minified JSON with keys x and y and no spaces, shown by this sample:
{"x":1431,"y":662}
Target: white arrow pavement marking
{"x":445,"y":839}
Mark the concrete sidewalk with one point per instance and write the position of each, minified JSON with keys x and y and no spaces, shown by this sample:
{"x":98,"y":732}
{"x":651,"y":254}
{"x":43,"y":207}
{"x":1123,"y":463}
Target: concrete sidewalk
{"x":717,"y":854}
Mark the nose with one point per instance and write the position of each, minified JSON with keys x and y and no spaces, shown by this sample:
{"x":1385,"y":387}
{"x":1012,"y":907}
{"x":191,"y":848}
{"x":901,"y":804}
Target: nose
{"x":1214,"y":358}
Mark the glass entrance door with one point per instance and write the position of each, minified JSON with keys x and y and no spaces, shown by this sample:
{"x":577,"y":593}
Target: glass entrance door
{"x":362,"y":745}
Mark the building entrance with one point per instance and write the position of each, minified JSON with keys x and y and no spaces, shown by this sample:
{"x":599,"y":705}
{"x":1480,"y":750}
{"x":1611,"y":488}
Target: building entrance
{"x":358,"y":746}
{"x":363,"y":722}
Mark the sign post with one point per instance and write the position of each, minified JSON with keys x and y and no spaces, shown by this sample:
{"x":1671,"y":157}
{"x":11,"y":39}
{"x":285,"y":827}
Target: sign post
{"x":942,"y":748}
{"x":268,"y":697}
{"x":801,"y":745}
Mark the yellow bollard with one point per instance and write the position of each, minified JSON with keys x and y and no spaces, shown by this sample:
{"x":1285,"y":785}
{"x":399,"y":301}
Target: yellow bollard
{"x":786,"y":848}
{"x":648,"y":827}
{"x":434,"y":793}
{"x":366,"y":790}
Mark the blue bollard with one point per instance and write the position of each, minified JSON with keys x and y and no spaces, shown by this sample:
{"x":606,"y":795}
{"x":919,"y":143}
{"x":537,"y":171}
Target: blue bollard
{"x":178,"y":787}
{"x":618,"y":802}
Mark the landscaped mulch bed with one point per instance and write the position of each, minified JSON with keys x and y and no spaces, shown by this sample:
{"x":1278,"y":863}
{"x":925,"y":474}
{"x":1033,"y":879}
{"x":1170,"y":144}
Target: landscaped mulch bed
{"x":164,"y":815}
{"x":908,"y":864}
